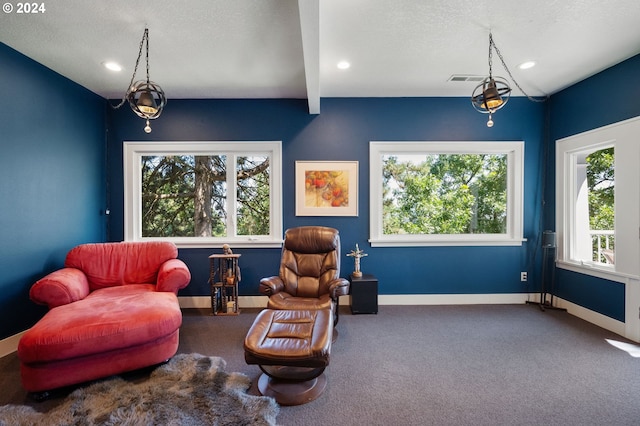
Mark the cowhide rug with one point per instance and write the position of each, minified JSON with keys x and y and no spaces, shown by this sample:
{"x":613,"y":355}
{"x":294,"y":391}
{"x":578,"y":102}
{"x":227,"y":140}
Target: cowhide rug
{"x":191,"y":389}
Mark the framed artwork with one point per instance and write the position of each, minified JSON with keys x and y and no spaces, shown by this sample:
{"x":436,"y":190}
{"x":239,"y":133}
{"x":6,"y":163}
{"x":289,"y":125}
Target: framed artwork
{"x":326,"y":188}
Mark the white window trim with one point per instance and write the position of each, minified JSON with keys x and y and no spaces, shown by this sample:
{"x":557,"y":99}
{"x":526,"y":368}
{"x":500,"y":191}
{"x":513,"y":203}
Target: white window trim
{"x":132,"y":156}
{"x":515,"y":186}
{"x":570,"y":226}
{"x":624,"y":136}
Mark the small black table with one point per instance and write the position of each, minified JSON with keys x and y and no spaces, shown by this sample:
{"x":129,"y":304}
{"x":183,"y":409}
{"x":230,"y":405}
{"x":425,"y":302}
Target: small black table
{"x":364,"y":294}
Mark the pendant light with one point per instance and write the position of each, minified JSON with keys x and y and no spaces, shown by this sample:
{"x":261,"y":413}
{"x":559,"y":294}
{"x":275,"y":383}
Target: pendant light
{"x":493,"y":93}
{"x":146,"y":98}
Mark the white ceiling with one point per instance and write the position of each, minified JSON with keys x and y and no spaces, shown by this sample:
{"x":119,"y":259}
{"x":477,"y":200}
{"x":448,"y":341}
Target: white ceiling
{"x":290,"y":48}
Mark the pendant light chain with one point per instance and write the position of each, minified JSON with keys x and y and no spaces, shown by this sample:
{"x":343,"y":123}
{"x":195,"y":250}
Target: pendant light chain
{"x":145,"y":36}
{"x":492,"y":44}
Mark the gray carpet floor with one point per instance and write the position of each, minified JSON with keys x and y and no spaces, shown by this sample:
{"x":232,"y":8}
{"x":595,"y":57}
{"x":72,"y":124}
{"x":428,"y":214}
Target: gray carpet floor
{"x":438,"y":365}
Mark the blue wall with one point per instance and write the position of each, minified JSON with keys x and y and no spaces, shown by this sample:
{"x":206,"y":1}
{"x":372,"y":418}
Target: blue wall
{"x":610,"y":96}
{"x":55,"y":185}
{"x":343,"y":131}
{"x":52,"y":172}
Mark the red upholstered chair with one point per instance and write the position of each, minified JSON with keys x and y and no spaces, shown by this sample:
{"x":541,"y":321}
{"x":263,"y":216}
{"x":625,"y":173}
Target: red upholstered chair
{"x":112,"y":308}
{"x":309,"y":272}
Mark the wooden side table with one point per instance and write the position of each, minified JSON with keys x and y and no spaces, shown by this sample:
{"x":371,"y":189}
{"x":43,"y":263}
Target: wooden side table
{"x":364,"y":294}
{"x":223,"y":278}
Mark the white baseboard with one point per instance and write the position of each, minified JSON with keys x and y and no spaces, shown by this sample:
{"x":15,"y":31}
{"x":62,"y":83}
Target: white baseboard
{"x":593,"y":317}
{"x":204,"y":302}
{"x":10,"y":344}
{"x":452,"y":299}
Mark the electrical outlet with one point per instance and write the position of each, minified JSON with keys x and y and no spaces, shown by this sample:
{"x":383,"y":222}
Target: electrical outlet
{"x":523,"y":276}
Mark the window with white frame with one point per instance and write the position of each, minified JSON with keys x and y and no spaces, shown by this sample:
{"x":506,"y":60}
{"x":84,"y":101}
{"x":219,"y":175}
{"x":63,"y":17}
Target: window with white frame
{"x":593,"y":209}
{"x":199,"y":194}
{"x":598,"y":200}
{"x":446,"y":193}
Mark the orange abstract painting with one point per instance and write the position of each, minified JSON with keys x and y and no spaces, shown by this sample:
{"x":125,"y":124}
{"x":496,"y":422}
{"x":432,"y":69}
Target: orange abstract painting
{"x":326,"y":188}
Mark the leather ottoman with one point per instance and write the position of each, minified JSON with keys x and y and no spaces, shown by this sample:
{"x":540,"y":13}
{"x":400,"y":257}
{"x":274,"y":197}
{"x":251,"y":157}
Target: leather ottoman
{"x":292,"y":348}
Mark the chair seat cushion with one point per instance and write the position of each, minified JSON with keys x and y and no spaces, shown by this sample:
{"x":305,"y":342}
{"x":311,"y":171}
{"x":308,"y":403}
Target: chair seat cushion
{"x":107,"y":319}
{"x":285,"y":301}
{"x":290,"y":338}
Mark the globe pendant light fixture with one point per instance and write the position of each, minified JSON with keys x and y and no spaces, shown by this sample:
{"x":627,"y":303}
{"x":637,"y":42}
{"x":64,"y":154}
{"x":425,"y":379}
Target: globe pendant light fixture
{"x":146,"y":98}
{"x":493,"y":93}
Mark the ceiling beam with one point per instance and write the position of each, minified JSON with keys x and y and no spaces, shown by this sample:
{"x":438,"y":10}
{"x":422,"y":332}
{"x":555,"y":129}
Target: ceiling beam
{"x":310,"y":29}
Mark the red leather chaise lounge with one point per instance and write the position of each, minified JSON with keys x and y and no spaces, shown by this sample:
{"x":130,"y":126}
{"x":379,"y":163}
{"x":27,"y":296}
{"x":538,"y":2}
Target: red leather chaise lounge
{"x":112,"y":308}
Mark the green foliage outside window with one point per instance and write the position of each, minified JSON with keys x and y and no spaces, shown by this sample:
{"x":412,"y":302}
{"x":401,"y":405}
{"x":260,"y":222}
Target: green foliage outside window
{"x":601,"y":183}
{"x":445,"y":194}
{"x":253,"y":195}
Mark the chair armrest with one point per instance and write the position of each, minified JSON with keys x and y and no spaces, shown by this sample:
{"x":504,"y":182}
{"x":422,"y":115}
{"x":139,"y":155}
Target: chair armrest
{"x":173,"y":275}
{"x":271,"y":285}
{"x":60,"y":287}
{"x":338,"y":287}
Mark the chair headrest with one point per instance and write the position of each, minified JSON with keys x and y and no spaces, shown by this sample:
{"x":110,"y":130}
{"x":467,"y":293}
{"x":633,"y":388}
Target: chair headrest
{"x":311,"y":239}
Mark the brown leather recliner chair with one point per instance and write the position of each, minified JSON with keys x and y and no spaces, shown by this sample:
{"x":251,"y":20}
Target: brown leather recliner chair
{"x":309,"y":272}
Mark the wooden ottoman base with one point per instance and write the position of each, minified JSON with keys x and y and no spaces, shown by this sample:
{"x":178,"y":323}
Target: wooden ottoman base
{"x":292,"y":349}
{"x":292,"y":392}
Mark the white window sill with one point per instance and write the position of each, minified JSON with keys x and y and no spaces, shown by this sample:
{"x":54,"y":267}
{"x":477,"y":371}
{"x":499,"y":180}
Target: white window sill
{"x":606,"y":272}
{"x":462,"y":242}
{"x":189,"y":243}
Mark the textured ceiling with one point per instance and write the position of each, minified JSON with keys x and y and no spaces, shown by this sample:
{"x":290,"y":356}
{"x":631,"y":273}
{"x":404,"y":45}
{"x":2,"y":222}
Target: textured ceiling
{"x":290,"y":48}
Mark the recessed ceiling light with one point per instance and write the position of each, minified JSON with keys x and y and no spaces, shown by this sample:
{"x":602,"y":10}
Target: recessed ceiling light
{"x":112,"y":66}
{"x":527,"y":65}
{"x":343,"y":65}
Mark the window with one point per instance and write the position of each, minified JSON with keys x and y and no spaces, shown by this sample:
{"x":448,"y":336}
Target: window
{"x":199,"y":194}
{"x":597,"y":201}
{"x":593,"y":210}
{"x":446,"y":193}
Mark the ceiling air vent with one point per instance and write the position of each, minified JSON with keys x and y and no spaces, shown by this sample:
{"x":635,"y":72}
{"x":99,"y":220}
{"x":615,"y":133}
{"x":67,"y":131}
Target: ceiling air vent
{"x":466,"y":78}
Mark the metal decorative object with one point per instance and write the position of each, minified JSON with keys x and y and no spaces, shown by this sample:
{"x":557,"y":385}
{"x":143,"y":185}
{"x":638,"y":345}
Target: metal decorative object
{"x":357,"y":254}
